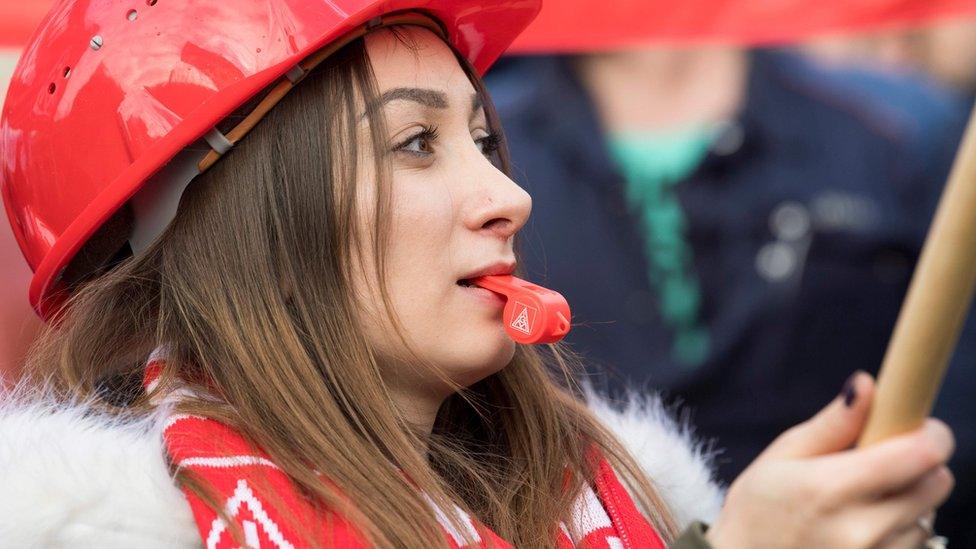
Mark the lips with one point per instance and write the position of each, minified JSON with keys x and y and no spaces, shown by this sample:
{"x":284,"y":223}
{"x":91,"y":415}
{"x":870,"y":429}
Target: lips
{"x":501,"y":268}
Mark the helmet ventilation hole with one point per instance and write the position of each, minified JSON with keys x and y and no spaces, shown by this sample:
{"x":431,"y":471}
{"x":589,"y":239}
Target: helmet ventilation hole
{"x":67,"y":72}
{"x":132,"y":15}
{"x":51,"y":88}
{"x":150,"y":3}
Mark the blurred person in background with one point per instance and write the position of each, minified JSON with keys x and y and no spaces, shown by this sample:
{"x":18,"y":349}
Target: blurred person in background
{"x":945,"y":51}
{"x":737,"y":228}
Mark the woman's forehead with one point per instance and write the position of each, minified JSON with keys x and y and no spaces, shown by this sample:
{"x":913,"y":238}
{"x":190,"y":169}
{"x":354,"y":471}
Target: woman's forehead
{"x":415,"y":57}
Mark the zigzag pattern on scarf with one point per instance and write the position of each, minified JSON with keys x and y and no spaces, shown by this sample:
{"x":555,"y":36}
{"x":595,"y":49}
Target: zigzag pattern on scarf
{"x":266,"y":507}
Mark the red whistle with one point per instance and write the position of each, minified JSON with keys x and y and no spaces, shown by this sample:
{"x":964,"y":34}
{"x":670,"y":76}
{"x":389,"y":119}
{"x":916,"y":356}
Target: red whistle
{"x":532,"y":314}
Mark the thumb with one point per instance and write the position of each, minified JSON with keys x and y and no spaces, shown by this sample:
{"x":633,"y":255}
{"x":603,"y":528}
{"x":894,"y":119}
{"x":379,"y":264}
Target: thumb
{"x":833,"y":429}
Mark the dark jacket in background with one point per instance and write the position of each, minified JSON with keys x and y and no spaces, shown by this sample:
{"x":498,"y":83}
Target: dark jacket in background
{"x":862,"y":156}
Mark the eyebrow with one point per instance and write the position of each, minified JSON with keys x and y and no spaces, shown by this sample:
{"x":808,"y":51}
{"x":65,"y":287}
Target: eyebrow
{"x":429,"y":98}
{"x":426,"y":97}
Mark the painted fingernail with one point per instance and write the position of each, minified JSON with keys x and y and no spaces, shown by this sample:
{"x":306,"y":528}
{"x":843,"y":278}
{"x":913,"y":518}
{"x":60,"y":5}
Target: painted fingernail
{"x":848,"y":391}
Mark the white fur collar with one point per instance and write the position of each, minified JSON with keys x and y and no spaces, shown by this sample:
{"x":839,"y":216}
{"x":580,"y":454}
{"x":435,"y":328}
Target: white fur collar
{"x":667,"y":451}
{"x":71,"y":478}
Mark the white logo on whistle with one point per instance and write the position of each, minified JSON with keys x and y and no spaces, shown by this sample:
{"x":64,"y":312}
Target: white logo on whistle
{"x":523,"y":322}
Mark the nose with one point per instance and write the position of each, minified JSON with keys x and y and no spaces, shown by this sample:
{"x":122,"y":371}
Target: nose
{"x":499,"y":206}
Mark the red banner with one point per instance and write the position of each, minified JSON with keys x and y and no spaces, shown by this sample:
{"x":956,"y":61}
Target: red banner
{"x":588,"y":25}
{"x":18,"y":20}
{"x":581,"y":25}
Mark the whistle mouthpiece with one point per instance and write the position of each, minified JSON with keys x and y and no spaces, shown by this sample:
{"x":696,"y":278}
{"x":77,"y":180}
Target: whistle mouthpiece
{"x":532,"y":314}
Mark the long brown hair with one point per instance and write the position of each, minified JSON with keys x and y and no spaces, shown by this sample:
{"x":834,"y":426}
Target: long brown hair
{"x":250,"y":291}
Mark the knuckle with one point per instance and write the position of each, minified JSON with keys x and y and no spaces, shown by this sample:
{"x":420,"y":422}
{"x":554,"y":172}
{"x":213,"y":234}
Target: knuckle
{"x":945,"y":480}
{"x":820,"y":496}
{"x":830,"y":500}
{"x":836,"y":487}
{"x":939,"y":437}
{"x":807,"y":488}
{"x":906,"y":537}
{"x":928,"y":454}
{"x":858,"y":535}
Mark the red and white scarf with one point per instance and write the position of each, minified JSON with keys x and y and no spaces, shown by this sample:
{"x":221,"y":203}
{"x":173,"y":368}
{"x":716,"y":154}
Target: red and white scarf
{"x":603,"y":516}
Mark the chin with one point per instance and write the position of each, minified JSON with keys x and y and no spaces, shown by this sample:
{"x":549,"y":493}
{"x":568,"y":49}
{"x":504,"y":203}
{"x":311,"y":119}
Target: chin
{"x":489,"y":356}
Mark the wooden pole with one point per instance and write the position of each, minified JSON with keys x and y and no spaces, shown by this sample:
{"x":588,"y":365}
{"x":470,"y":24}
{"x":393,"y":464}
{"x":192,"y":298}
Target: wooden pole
{"x":934,"y":309}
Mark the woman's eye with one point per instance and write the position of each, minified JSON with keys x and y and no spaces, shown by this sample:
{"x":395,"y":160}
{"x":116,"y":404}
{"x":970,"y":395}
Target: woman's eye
{"x":421,"y":144}
{"x":489,"y":144}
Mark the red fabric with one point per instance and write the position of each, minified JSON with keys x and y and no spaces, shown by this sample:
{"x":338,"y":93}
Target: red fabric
{"x":581,"y":25}
{"x":592,"y":25}
{"x":267,"y":508}
{"x":19,"y":19}
{"x":622,"y":510}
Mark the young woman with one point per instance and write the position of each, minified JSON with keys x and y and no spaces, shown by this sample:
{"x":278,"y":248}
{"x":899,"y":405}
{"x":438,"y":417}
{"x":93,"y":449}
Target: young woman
{"x":298,"y":322}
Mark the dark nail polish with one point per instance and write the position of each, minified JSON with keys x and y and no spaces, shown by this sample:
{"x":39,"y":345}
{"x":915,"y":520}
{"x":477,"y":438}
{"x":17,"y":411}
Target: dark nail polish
{"x":849,"y":392}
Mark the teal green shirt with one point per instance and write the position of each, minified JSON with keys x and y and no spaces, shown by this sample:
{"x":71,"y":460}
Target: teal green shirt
{"x":652,"y":164}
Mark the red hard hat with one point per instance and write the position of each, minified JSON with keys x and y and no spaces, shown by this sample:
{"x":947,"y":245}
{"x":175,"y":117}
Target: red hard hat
{"x":107,"y":94}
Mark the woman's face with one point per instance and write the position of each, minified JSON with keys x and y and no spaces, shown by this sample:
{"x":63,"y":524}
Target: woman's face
{"x":453,"y":217}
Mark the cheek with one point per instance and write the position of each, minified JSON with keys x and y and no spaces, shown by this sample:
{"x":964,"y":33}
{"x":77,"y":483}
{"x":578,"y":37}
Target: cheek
{"x":423,"y":233}
{"x":418,"y":260}
{"x":428,"y":248}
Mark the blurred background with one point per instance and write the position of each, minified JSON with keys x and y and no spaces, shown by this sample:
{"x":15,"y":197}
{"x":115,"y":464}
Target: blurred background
{"x":733,"y":201}
{"x":943,"y":51}
{"x":731,"y":196}
{"x":18,"y":324}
